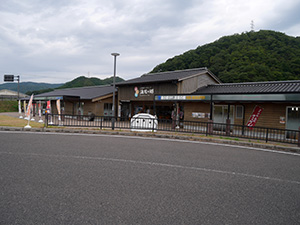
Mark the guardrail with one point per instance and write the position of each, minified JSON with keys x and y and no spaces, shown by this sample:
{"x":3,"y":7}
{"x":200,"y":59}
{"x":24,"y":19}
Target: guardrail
{"x":208,"y":128}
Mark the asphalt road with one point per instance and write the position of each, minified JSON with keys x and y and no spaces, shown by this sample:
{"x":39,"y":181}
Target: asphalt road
{"x":94,"y":179}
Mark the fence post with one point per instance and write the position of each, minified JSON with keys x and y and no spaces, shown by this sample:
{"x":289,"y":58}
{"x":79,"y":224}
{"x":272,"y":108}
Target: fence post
{"x":153,"y":125}
{"x":299,"y":137}
{"x":267,"y":135}
{"x":101,"y":119}
{"x":227,"y":129}
{"x":113,"y":123}
{"x":209,"y":127}
{"x":46,"y":120}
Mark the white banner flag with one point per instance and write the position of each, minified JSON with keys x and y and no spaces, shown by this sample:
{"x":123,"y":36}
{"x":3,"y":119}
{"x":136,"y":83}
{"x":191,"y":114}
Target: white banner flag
{"x":19,"y":104}
{"x":58,"y":108}
{"x":29,"y":107}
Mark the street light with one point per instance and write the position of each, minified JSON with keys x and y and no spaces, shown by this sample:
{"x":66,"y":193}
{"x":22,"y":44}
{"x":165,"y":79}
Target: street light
{"x":114,"y":90}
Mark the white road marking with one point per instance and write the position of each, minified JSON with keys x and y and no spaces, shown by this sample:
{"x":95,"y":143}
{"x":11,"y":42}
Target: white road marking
{"x":158,"y":164}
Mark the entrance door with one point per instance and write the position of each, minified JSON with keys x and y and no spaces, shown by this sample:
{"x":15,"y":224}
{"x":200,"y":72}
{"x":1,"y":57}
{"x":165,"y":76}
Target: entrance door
{"x":108,"y":109}
{"x":125,"y":110}
{"x":293,"y":118}
{"x":220,"y":114}
{"x":292,"y":121}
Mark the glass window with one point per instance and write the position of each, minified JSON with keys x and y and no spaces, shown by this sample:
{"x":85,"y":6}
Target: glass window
{"x":239,"y":112}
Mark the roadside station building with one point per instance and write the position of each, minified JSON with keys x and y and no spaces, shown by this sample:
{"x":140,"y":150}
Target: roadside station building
{"x":273,"y":104}
{"x":194,"y":94}
{"x":137,"y":95}
{"x":80,"y":101}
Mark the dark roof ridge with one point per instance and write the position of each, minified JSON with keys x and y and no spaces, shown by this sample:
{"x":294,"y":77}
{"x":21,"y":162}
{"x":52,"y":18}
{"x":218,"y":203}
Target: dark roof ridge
{"x":257,"y":83}
{"x":175,"y":71}
{"x":85,"y":87}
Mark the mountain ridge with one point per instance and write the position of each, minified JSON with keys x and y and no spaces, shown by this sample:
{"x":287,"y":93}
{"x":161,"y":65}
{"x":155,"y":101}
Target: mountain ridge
{"x":27,"y":86}
{"x":38,"y":88}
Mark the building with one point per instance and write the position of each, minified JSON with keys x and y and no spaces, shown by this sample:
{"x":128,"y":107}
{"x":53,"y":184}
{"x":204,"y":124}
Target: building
{"x":80,"y":101}
{"x":190,"y":95}
{"x":10,"y":95}
{"x":273,"y":104}
{"x":137,"y":95}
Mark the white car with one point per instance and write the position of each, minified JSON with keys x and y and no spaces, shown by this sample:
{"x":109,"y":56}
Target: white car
{"x":143,"y":122}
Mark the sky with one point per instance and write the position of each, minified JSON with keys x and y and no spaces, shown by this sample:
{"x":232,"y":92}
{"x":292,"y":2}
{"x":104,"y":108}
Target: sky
{"x":55,"y":41}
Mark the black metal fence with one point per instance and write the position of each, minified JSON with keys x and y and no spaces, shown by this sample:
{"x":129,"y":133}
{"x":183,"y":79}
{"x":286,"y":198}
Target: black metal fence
{"x":147,"y":124}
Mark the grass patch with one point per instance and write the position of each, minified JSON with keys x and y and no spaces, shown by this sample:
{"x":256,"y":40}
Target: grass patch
{"x":7,"y":121}
{"x":229,"y":138}
{"x":8,"y":106}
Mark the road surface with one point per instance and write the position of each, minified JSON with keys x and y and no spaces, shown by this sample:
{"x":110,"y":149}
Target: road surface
{"x":102,"y":179}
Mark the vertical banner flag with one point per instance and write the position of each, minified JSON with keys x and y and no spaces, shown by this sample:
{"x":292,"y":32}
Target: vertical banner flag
{"x":254,"y":117}
{"x":24,"y":108}
{"x":19,"y":104}
{"x":29,"y":107}
{"x":20,"y":109}
{"x":49,"y":111}
{"x":58,"y":108}
{"x":40,"y":112}
{"x":48,"y":107}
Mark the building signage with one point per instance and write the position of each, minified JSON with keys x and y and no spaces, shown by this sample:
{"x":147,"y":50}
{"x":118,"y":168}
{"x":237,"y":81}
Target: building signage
{"x":146,"y":91}
{"x":143,"y":91}
{"x":254,"y":117}
{"x":181,"y":97}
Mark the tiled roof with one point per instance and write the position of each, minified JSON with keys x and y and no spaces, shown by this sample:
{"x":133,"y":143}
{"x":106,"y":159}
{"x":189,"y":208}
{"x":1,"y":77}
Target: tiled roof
{"x":252,"y":88}
{"x":166,"y":76}
{"x":87,"y":93}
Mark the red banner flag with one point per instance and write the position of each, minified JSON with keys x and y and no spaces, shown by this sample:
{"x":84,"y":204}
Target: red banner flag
{"x":254,"y":117}
{"x":48,"y":105}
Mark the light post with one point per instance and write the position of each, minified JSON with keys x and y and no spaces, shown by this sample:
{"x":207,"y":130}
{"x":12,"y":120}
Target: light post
{"x":114,"y":90}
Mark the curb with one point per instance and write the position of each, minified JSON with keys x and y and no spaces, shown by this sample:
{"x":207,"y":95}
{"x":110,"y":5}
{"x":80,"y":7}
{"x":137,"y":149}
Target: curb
{"x":156,"y":135}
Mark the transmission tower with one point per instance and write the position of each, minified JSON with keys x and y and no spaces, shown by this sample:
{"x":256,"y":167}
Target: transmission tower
{"x":252,"y":25}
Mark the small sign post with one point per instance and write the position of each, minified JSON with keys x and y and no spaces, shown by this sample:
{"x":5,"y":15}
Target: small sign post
{"x":11,"y":78}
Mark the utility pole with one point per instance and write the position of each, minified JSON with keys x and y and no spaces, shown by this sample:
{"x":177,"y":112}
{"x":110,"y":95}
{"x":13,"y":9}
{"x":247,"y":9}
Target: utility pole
{"x":114,"y":90}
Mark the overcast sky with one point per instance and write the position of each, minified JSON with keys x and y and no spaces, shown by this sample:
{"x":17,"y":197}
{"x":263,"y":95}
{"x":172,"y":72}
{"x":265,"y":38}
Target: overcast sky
{"x":56,"y":41}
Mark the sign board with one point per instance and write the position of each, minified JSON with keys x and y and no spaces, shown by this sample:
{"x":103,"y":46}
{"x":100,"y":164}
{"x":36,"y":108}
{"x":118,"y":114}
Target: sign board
{"x":181,"y":97}
{"x":254,"y":117}
{"x":9,"y":78}
{"x":200,"y":115}
{"x":143,"y":91}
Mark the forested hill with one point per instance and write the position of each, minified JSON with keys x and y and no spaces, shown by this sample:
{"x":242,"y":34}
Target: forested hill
{"x":83,"y":81}
{"x":247,"y":57}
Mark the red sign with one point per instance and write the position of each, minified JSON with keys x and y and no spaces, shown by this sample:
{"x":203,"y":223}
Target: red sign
{"x":254,"y":117}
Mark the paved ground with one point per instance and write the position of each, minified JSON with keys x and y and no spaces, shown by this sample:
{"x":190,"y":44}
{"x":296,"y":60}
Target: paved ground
{"x":102,"y":179}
